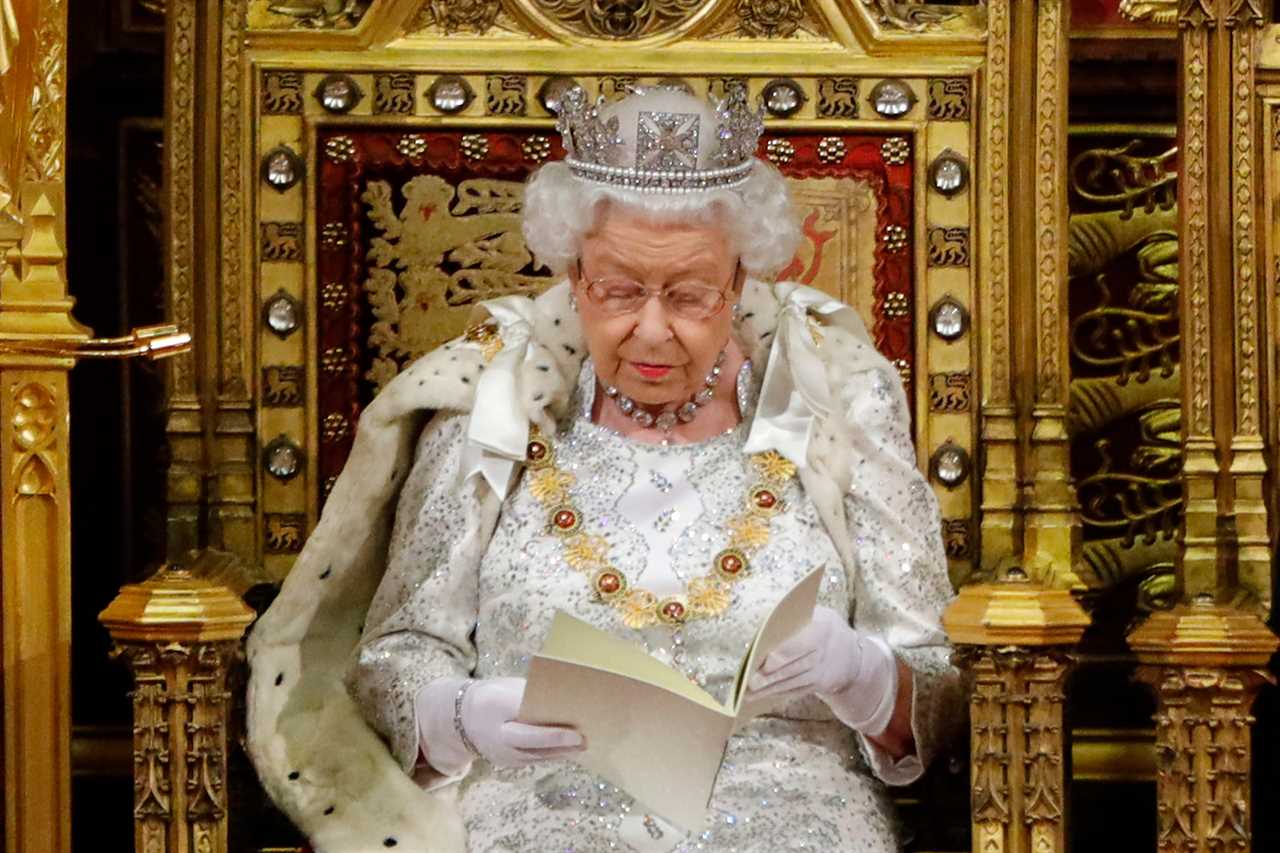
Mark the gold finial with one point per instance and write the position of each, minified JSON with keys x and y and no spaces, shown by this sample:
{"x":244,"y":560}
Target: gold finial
{"x":1015,"y":610}
{"x":1206,"y":633}
{"x":177,"y":604}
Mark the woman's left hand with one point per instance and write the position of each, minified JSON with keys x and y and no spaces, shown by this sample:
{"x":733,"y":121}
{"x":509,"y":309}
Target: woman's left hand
{"x":853,"y":672}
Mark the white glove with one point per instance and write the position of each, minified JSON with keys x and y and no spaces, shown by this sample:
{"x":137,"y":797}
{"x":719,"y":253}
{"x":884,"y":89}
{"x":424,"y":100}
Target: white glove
{"x":489,"y":709}
{"x":855,"y":673}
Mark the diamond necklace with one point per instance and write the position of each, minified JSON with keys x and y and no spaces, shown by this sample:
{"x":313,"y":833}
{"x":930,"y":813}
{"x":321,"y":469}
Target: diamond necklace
{"x":668,"y":419}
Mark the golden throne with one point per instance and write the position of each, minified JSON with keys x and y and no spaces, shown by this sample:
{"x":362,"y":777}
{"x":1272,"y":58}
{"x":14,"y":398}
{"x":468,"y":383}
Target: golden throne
{"x":366,"y":161}
{"x":383,"y":154}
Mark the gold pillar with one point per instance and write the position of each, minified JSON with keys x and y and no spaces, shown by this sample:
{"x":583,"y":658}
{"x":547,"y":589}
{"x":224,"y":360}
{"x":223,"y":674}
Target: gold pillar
{"x":186,"y":429}
{"x":39,"y":342}
{"x":1205,"y":663}
{"x":1205,"y":658}
{"x":1205,"y":259}
{"x":1053,"y":536}
{"x":229,"y":276}
{"x":1001,"y":506}
{"x":35,"y":500}
{"x":178,"y":633}
{"x":212,"y":479}
{"x":1248,"y":459}
{"x":1016,"y":637}
{"x":1029,"y":509}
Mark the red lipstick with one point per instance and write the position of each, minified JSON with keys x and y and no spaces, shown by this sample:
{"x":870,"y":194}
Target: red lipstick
{"x":651,"y":371}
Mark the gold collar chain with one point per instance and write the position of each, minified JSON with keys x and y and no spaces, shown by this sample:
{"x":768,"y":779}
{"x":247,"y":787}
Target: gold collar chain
{"x":705,"y":596}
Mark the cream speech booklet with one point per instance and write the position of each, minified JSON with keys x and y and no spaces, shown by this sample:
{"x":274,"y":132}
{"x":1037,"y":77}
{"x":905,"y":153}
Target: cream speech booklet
{"x":650,"y":730}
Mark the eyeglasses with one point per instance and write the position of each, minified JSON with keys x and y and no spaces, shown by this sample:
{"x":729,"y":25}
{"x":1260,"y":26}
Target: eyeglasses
{"x":689,"y":300}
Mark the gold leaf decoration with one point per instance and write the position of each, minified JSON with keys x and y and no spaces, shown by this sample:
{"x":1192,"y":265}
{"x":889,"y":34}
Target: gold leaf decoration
{"x":551,"y":485}
{"x":772,"y":465}
{"x":638,"y":609}
{"x":457,"y":15}
{"x":708,"y":597}
{"x":620,"y":19}
{"x":584,"y":551}
{"x":769,"y":19}
{"x":748,"y":531}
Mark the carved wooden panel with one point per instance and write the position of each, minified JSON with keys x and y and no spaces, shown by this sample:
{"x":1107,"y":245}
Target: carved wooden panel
{"x":1125,"y":352}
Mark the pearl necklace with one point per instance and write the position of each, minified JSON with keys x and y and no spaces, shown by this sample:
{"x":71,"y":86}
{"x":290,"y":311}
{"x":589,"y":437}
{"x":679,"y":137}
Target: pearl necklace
{"x":668,"y":419}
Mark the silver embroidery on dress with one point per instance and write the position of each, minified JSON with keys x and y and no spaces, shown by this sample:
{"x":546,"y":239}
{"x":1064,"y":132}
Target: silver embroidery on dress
{"x":459,"y":602}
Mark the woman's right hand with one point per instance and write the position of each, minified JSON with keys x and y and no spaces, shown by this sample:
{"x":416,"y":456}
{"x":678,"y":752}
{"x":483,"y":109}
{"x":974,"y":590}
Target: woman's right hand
{"x":488,"y":716}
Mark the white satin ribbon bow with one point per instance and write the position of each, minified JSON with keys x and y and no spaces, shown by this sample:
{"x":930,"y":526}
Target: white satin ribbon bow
{"x":796,"y":392}
{"x":498,"y":432}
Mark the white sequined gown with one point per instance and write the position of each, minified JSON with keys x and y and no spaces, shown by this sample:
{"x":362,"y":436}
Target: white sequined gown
{"x":460,"y":601}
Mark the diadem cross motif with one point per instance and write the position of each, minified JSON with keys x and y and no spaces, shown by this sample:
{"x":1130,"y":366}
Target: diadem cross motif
{"x":667,"y":140}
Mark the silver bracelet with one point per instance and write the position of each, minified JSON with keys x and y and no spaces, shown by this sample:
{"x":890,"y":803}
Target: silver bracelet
{"x":457,"y":719}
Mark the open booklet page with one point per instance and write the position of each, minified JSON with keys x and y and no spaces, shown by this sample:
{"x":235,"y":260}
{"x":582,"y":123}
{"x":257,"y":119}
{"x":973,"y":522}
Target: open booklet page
{"x":648,"y":728}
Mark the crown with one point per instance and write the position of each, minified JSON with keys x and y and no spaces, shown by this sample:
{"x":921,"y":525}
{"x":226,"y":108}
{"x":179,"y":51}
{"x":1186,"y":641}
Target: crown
{"x":660,"y":139}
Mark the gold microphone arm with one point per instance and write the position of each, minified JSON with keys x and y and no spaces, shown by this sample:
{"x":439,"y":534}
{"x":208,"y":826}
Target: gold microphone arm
{"x":153,"y":342}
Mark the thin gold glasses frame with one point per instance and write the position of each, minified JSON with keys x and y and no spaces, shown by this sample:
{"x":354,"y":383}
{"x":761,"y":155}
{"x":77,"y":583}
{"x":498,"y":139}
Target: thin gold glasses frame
{"x":593,"y":295}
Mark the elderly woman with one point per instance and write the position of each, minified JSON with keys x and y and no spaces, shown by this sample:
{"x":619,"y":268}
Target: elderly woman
{"x":662,"y":445}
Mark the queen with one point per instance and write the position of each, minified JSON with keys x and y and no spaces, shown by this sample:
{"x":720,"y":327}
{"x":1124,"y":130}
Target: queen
{"x":662,"y":444}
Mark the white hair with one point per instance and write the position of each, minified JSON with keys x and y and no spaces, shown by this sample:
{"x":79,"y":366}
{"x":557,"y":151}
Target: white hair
{"x":757,"y":216}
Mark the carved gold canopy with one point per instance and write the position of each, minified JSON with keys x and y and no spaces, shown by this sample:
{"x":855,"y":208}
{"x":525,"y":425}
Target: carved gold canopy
{"x":371,"y":162}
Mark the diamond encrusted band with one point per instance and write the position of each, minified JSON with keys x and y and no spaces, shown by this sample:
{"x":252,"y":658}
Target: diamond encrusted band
{"x":665,"y":147}
{"x":457,"y":719}
{"x":659,"y":180}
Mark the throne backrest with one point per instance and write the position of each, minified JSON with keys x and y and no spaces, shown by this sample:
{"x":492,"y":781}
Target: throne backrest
{"x":386,"y":187}
{"x":371,"y":165}
{"x":420,"y":226}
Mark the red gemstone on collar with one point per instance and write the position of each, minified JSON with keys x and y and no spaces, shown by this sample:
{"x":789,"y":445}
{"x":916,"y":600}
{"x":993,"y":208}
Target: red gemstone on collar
{"x":673,"y":611}
{"x":730,"y":564}
{"x":537,"y":450}
{"x":566,"y":519}
{"x":608,"y":583}
{"x":766,"y":499}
